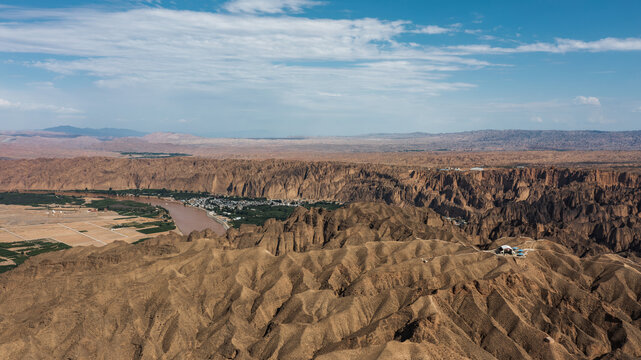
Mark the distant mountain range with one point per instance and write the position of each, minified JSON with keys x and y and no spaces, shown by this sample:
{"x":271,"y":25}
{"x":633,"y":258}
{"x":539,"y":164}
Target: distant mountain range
{"x":416,"y":141}
{"x":559,"y":140}
{"x":68,"y":141}
{"x":104,"y":133}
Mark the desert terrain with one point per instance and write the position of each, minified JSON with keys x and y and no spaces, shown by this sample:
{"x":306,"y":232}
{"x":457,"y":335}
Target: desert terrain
{"x":587,"y":209}
{"x":366,"y":281}
{"x":490,"y":148}
{"x":405,"y":268}
{"x":317,"y":179}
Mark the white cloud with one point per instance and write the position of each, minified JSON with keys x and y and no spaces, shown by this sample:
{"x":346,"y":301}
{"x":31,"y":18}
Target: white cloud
{"x":433,"y":29}
{"x":607,"y":44}
{"x":6,"y":104}
{"x":587,"y":100}
{"x":536,"y":119}
{"x":559,"y":46}
{"x":215,"y":51}
{"x":269,"y":6}
{"x":222,"y":52}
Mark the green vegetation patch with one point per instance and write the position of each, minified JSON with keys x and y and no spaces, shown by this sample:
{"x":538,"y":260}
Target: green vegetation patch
{"x":20,"y":251}
{"x":165,"y":226}
{"x":141,"y":240}
{"x":133,"y":224}
{"x":152,"y":155}
{"x":327,"y":205}
{"x":258,"y":214}
{"x":162,"y":193}
{"x":128,"y":208}
{"x":36,"y":200}
{"x":151,"y":227}
{"x":139,"y":225}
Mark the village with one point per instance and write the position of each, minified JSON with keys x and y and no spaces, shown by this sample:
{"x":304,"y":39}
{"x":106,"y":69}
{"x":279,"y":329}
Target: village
{"x":234,"y":211}
{"x":221,"y":202}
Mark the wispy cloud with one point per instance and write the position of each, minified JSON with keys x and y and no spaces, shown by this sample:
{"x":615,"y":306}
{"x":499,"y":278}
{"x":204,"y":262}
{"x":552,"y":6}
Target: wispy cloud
{"x":433,"y":29}
{"x":559,"y":46}
{"x":436,"y":29}
{"x":587,"y":100}
{"x":221,"y":52}
{"x":538,"y":107}
{"x":269,"y":6}
{"x":63,"y":110}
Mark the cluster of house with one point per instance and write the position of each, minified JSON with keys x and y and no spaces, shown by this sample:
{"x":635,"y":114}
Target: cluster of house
{"x":214,"y":203}
{"x":459,"y":169}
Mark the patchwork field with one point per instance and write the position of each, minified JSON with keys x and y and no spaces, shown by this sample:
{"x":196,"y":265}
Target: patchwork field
{"x":71,"y":225}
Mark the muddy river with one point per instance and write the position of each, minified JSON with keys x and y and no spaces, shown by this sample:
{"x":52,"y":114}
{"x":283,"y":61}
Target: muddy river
{"x":186,"y":218}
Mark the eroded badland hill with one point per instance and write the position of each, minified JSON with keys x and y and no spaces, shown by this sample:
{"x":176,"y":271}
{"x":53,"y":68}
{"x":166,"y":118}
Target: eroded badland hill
{"x":585,"y":209}
{"x":365,"y":281}
{"x":405,"y":270}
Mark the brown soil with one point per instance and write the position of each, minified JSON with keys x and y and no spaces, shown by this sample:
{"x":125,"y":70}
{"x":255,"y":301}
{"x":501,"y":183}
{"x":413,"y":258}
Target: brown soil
{"x":588,"y":210}
{"x":73,"y":226}
{"x":369,"y":281}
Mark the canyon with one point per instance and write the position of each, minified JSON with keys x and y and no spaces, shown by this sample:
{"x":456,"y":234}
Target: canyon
{"x":589,"y":210}
{"x":406,"y":268}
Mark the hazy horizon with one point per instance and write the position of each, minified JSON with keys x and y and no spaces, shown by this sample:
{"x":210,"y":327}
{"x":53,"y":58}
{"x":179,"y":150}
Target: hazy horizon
{"x":248,"y":134}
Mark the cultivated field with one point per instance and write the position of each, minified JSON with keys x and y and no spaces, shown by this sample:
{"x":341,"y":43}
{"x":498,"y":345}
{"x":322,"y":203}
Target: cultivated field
{"x":74,"y":226}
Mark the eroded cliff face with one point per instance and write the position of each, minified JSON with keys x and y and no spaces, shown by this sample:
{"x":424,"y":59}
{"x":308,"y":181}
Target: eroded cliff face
{"x":369,"y":283}
{"x":588,"y":210}
{"x":354,"y":224}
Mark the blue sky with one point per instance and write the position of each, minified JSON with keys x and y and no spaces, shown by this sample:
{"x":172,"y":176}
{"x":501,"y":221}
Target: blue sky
{"x":306,"y":67}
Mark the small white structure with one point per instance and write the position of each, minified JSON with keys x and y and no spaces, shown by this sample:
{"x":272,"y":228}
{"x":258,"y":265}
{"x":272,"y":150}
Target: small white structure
{"x":505,"y":250}
{"x":476,"y":169}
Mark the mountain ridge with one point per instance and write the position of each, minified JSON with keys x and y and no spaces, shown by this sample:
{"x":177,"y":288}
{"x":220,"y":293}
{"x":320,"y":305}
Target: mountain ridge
{"x":587,"y":210}
{"x":386,"y":297}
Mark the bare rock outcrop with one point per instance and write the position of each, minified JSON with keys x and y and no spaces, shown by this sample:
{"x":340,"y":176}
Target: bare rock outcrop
{"x":589,"y":210}
{"x":353,"y":224}
{"x":387,"y":294}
